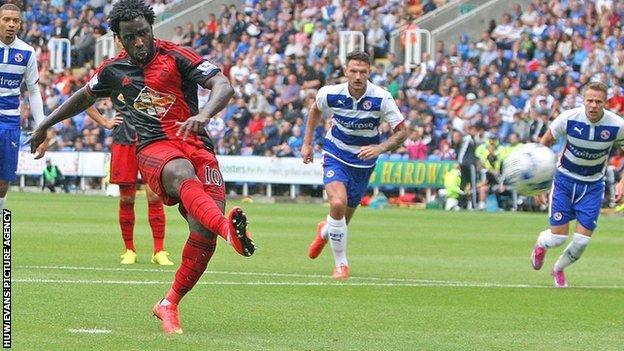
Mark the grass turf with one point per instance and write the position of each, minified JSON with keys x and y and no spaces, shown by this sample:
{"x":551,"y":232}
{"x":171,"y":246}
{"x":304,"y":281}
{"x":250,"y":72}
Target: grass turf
{"x":421,"y":280}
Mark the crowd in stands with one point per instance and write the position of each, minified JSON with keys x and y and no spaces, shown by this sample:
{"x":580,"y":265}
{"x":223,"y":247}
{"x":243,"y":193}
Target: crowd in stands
{"x":523,"y":70}
{"x":81,"y":22}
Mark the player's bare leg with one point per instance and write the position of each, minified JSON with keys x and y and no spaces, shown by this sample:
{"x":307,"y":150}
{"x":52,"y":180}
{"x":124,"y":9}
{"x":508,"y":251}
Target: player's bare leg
{"x":180,"y":182}
{"x":157,"y":220}
{"x":196,"y":254}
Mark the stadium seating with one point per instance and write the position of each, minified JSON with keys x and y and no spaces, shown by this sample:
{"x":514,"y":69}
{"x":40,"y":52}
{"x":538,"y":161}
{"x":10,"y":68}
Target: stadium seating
{"x":539,"y":56}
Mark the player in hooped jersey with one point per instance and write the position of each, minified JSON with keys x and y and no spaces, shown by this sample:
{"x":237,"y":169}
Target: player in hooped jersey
{"x":158,"y":82}
{"x":124,"y":168}
{"x":350,"y":149}
{"x":578,"y":187}
{"x":18,"y":63}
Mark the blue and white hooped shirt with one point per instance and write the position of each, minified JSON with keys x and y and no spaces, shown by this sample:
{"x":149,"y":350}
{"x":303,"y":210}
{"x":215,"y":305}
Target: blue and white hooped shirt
{"x":355,"y":122}
{"x":587,"y":144}
{"x":18,"y":63}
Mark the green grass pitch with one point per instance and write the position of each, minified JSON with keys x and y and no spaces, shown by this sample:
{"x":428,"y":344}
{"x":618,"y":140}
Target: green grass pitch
{"x":421,"y":280}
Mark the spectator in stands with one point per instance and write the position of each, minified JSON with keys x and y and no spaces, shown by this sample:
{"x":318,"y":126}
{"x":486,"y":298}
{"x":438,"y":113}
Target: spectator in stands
{"x":59,"y":30}
{"x":545,"y":45}
{"x":84,"y":49}
{"x":507,"y":112}
{"x":178,"y":35}
{"x":376,"y":40}
{"x":290,"y":94}
{"x":415,"y":146}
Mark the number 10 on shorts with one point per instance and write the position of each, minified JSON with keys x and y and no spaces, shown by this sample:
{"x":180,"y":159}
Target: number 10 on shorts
{"x":213,"y":176}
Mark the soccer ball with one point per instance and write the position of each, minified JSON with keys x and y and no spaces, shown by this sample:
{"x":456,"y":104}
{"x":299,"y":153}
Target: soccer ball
{"x":530,"y":169}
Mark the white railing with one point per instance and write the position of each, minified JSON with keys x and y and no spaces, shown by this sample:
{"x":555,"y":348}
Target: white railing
{"x":415,"y":40}
{"x":104,"y":48}
{"x":60,"y":54}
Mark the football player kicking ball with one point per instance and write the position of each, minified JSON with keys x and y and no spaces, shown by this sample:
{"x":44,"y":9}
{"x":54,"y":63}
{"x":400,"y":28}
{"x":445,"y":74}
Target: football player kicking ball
{"x":350,"y":149}
{"x":158,"y":83}
{"x":578,"y":187}
{"x":124,"y":169}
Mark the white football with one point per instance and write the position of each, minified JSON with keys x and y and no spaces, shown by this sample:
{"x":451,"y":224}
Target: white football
{"x":530,"y":169}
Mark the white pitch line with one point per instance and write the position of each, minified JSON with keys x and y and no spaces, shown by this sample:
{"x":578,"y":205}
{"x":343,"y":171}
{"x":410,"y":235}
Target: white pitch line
{"x":259,"y":274}
{"x":90,"y":331}
{"x":449,"y":284}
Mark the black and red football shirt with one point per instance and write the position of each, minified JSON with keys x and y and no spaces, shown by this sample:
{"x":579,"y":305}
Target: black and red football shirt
{"x":125,"y":133}
{"x":159,"y":94}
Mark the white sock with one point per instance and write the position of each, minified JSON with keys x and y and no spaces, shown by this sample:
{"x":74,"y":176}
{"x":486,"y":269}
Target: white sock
{"x":549,"y":240}
{"x":573,"y":252}
{"x":2,"y":204}
{"x":324,"y":232}
{"x":337,"y":232}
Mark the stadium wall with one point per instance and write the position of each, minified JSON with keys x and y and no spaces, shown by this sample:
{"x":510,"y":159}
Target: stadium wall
{"x":475,"y":22}
{"x":253,"y":169}
{"x":165,"y":29}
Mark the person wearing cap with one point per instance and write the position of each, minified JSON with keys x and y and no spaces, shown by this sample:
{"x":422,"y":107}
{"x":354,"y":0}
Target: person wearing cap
{"x":471,"y":107}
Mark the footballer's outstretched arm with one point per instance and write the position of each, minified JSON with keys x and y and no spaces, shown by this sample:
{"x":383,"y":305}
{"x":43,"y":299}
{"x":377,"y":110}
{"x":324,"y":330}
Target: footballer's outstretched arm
{"x":547,"y":139}
{"x":307,"y":152}
{"x":76,"y":103}
{"x":221,"y":92}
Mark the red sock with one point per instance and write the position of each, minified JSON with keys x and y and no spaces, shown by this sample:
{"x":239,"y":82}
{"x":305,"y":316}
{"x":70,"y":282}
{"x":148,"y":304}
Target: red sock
{"x":156,"y":216}
{"x":195,"y":257}
{"x":126,"y":214}
{"x":202,"y":207}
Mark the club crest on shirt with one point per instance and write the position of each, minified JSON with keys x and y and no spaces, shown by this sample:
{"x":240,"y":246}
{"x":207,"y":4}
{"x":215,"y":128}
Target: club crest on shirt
{"x":605,"y":134}
{"x":367,"y":105}
{"x":153,"y":103}
{"x":19,"y":57}
{"x":206,"y":67}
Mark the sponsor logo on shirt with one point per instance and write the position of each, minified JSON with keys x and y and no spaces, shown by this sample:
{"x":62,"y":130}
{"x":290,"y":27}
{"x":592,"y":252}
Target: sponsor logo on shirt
{"x":588,"y":155}
{"x":153,"y":103}
{"x":9,"y":83}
